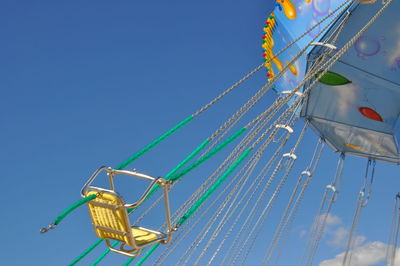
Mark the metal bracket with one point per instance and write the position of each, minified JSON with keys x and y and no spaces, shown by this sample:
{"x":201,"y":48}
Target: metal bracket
{"x":332,"y":188}
{"x":300,"y":94}
{"x":308,"y":173}
{"x":48,"y":228}
{"x":289,"y":129}
{"x":291,"y":155}
{"x":327,"y":45}
{"x":369,"y":1}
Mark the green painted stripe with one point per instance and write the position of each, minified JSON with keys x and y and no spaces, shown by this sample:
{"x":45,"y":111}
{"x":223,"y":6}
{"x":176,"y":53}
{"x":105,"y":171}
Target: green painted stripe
{"x":198,"y":203}
{"x":148,"y":253}
{"x":154,"y":143}
{"x":87,"y":251}
{"x":178,"y":167}
{"x":212,"y":189}
{"x":105,"y":253}
{"x":154,"y":189}
{"x":188,"y":158}
{"x":172,"y":174}
{"x":73,"y":207}
{"x":208,"y":155}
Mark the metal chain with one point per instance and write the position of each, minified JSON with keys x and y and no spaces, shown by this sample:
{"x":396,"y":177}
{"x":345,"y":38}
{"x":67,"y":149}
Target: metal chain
{"x":264,"y":215}
{"x":256,"y":132}
{"x":276,"y":104}
{"x":261,"y":196}
{"x":189,"y":251}
{"x":261,"y":66}
{"x":250,"y":102}
{"x":181,"y":210}
{"x":248,"y":169}
{"x":289,"y":97}
{"x":293,"y":215}
{"x":255,"y":160}
{"x":362,"y":200}
{"x":261,"y":177}
{"x":229,"y":90}
{"x":258,"y":201}
{"x":341,"y":52}
{"x":336,"y":56}
{"x":258,"y":181}
{"x":332,"y":38}
{"x":322,"y":216}
{"x":293,"y":204}
{"x":394,"y":233}
{"x":242,"y":145}
{"x":234,"y":86}
{"x":328,"y":66}
{"x":272,"y":107}
{"x":225,"y":164}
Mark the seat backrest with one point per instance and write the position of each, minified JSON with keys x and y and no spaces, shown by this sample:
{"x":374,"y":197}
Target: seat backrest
{"x":110,"y":218}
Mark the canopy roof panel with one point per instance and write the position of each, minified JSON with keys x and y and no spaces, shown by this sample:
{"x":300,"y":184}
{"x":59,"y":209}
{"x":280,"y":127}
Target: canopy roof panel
{"x":361,"y":115}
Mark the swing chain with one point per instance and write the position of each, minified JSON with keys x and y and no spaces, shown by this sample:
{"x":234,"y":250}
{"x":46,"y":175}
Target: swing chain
{"x":363,"y":196}
{"x":48,"y":228}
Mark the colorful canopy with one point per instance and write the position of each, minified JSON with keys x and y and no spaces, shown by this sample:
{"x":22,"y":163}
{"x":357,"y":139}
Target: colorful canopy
{"x":356,"y":105}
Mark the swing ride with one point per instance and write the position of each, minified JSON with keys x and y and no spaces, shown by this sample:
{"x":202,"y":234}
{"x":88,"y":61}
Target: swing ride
{"x":339,"y":76}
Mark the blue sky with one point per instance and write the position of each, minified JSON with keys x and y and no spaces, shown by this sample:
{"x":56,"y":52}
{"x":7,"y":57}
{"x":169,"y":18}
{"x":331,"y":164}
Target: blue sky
{"x":85,"y":84}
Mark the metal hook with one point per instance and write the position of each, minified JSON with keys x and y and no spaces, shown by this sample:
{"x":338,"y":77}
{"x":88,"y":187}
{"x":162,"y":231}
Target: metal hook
{"x":308,"y":174}
{"x":48,"y":228}
{"x":364,"y":197}
{"x":334,"y":192}
{"x":288,"y":128}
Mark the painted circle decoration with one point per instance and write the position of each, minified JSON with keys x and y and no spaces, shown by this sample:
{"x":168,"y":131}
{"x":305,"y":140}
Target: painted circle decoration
{"x":321,"y":7}
{"x":315,"y":31}
{"x":366,"y":46}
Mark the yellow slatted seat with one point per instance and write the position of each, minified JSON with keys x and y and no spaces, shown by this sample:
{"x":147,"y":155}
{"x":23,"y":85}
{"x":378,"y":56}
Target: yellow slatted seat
{"x":143,"y":237}
{"x":109,"y":214}
{"x":110,"y":221}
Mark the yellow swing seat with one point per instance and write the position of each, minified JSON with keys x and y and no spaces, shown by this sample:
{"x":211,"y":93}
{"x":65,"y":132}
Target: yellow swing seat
{"x":110,"y":219}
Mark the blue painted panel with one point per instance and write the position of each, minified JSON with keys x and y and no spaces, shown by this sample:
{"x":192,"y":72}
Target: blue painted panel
{"x":288,"y":29}
{"x":373,"y":67}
